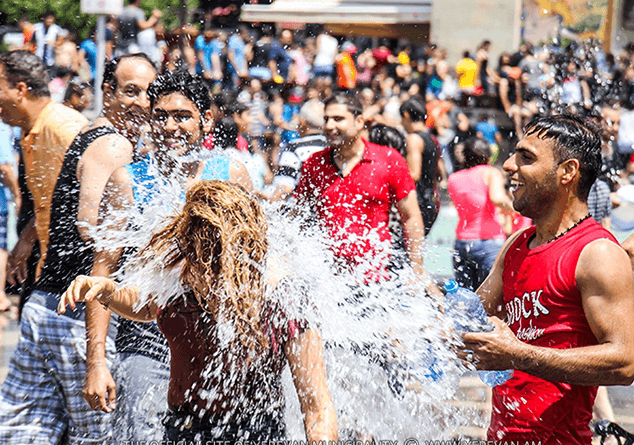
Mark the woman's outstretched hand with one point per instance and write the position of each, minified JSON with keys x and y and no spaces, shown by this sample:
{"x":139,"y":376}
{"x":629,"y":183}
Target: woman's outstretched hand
{"x":86,"y":289}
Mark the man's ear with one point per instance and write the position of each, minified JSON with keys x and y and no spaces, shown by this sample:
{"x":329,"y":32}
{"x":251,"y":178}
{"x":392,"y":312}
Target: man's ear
{"x":208,"y":122}
{"x":107,"y":94}
{"x":359,"y":122}
{"x":569,"y":170}
{"x":23,"y":89}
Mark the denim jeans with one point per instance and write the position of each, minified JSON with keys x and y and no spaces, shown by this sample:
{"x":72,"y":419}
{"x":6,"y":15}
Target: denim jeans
{"x":473,"y":261}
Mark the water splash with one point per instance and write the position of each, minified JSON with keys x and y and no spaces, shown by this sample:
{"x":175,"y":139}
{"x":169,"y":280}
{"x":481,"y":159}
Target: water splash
{"x":380,"y":338}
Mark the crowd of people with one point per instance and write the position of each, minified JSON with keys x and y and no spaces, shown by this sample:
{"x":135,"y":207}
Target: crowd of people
{"x":362,"y":134}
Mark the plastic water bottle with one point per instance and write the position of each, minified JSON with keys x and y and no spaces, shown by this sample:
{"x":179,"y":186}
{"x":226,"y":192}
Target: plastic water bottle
{"x":471,"y":317}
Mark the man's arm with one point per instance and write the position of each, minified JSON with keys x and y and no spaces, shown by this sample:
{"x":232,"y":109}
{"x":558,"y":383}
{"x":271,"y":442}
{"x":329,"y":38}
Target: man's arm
{"x":415,"y":149}
{"x":99,"y":386}
{"x":204,"y":63}
{"x":19,"y":256}
{"x":146,"y":24}
{"x":10,"y":180}
{"x":100,"y":160}
{"x":604,"y":279}
{"x":491,"y":291}
{"x":414,"y":231}
{"x":628,"y":246}
{"x":238,"y":174}
{"x":306,"y":361}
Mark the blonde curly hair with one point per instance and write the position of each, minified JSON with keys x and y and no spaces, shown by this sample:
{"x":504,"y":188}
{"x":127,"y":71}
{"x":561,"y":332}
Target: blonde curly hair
{"x":220,"y":239}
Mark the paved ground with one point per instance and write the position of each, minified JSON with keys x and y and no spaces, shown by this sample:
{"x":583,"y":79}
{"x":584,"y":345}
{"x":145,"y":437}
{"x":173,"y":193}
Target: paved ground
{"x":473,"y":395}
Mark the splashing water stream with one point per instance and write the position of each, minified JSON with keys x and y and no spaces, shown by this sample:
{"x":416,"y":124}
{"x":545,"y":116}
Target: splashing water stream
{"x":380,"y":339}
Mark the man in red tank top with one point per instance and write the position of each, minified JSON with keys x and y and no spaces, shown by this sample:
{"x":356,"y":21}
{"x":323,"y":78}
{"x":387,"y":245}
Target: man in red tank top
{"x":564,"y":290}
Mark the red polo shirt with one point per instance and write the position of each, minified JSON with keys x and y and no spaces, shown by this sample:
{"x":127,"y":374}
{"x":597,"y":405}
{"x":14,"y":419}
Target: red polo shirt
{"x":355,"y":209}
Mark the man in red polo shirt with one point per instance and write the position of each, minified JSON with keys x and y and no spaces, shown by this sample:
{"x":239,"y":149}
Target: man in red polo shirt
{"x":351,"y":186}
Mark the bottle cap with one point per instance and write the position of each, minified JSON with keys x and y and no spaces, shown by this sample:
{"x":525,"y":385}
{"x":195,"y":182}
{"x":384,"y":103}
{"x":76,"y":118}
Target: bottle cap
{"x":451,"y":286}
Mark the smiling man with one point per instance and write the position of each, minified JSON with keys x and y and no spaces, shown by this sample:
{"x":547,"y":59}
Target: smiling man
{"x":95,"y":153}
{"x":564,"y":288}
{"x":180,"y":118}
{"x":351,"y":186}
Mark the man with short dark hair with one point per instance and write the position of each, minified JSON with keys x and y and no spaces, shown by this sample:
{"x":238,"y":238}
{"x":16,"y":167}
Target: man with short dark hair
{"x":180,"y":117}
{"x":564,"y":288}
{"x":351,"y":185}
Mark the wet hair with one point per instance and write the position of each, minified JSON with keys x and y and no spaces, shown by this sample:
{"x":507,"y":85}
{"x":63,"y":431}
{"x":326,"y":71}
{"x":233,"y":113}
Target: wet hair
{"x":476,"y":152}
{"x":236,"y":108}
{"x":349,"y":100}
{"x":219,"y":239}
{"x":24,"y":66}
{"x":415,"y":108}
{"x":180,"y":81}
{"x":267,"y":30}
{"x":75,"y":89}
{"x":381,"y":134}
{"x":573,"y":138}
{"x":110,"y":69}
{"x":226,"y":133}
{"x":223,"y":99}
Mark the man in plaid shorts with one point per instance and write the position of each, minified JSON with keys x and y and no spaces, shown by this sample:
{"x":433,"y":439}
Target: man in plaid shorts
{"x":41,"y":400}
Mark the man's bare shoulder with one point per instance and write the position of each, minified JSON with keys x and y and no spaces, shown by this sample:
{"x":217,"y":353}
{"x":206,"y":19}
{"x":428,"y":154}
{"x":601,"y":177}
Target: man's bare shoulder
{"x":603,"y":260}
{"x":112,"y":146}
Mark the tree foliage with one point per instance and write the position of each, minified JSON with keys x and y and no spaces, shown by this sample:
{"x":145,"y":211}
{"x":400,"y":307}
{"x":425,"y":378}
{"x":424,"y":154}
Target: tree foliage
{"x":69,"y":16}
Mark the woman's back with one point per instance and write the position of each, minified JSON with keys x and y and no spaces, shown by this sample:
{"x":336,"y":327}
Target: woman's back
{"x":477,"y":214}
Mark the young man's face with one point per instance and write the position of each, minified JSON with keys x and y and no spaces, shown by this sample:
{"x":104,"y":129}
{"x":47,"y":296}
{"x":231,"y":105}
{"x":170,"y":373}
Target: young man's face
{"x":128,"y":106}
{"x":243,"y":121}
{"x":176,"y":125}
{"x":341,"y":127}
{"x":534,"y":176}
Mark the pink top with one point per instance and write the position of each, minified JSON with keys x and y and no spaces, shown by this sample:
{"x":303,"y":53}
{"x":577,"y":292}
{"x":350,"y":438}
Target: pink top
{"x":477,"y":217}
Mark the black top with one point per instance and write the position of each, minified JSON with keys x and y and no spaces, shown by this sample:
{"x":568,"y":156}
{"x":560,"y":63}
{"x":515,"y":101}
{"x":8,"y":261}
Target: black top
{"x":426,"y":185}
{"x":261,"y":51}
{"x":68,"y":255}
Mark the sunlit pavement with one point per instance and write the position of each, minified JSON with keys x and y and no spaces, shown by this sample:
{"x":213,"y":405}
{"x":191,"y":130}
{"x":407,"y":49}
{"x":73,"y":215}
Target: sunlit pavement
{"x":473,"y":396}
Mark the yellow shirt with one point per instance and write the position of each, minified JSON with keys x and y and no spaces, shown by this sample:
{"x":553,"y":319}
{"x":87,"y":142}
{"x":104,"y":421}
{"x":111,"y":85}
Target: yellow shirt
{"x":467,"y":68}
{"x":43,"y":150}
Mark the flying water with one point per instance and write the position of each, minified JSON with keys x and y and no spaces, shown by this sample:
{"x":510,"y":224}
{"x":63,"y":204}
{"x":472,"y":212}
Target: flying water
{"x":388,"y":347}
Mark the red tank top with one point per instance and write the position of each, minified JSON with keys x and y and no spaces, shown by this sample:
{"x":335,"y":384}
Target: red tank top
{"x":544,"y":308}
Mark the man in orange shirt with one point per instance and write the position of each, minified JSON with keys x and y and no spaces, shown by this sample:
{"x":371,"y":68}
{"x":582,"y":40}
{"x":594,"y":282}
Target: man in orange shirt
{"x":41,"y":400}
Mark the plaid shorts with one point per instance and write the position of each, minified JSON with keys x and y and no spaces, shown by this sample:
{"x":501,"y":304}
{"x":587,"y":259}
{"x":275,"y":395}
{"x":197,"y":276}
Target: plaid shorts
{"x":41,"y":399}
{"x":3,"y":230}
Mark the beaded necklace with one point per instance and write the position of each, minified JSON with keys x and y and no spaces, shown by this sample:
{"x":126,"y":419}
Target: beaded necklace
{"x":568,"y":230}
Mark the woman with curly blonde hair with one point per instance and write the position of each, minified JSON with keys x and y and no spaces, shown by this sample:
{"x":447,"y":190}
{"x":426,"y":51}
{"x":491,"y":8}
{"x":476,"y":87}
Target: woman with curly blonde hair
{"x":229,"y":339}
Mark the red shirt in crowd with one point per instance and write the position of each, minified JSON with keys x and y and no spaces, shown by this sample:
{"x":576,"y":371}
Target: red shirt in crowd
{"x":355,"y":209}
{"x":544,"y":308}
